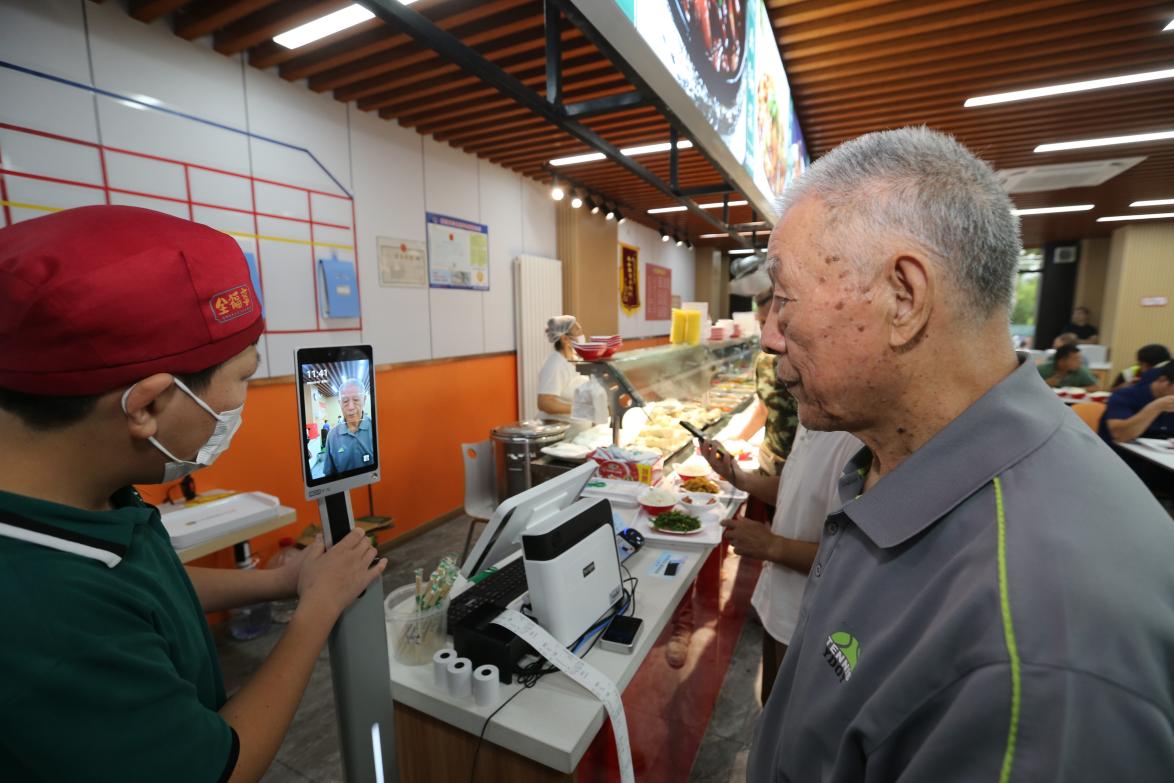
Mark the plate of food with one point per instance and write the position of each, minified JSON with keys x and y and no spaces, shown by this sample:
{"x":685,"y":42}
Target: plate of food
{"x":693,"y":469}
{"x":676,"y":523}
{"x":700,"y":485}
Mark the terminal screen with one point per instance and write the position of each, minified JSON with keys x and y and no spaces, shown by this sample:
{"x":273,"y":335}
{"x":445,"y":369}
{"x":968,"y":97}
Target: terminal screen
{"x":337,"y":404}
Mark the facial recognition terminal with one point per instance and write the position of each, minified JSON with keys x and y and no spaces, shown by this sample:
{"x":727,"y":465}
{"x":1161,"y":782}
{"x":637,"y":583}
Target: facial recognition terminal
{"x":339,"y":450}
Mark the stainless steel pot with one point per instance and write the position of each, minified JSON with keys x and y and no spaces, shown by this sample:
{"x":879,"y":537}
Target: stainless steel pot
{"x":515,"y":446}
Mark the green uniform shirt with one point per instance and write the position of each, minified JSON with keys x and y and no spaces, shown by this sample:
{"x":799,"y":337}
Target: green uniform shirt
{"x":1078,"y":377}
{"x":782,"y":414}
{"x":109,"y":669}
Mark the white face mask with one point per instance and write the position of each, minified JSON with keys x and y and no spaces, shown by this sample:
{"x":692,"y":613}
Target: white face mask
{"x":227,"y":424}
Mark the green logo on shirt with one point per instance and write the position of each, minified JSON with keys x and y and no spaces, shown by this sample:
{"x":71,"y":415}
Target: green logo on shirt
{"x":842,"y":651}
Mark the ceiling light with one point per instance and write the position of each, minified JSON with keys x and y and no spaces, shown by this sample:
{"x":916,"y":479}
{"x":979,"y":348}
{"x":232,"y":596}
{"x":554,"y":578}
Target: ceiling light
{"x":620,"y":219}
{"x":718,"y":236}
{"x":664,"y":235}
{"x":576,"y":202}
{"x":1169,"y":26}
{"x":1062,"y":89}
{"x":631,"y":152}
{"x":717,"y":204}
{"x":661,"y":210}
{"x":611,"y":215}
{"x":1151,"y":216}
{"x":680,"y":242}
{"x":1106,"y":142}
{"x":326,"y":25}
{"x":594,"y":206}
{"x":741,"y":251}
{"x":755,"y":223}
{"x":688,"y":244}
{"x":1049,"y":210}
{"x":556,"y":191}
{"x":1157,"y":202}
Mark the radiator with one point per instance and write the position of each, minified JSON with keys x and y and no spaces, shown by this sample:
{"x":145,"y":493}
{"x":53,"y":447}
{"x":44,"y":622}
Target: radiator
{"x":538,"y":295}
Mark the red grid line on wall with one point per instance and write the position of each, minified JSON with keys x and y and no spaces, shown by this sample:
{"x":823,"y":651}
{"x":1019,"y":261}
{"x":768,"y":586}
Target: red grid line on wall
{"x":186,"y":167}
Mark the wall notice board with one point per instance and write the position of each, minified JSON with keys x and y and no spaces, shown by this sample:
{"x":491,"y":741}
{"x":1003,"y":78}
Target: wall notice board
{"x":658,"y":292}
{"x":458,"y":253}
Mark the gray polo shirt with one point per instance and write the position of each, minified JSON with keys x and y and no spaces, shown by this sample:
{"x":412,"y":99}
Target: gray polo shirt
{"x":999,"y":607}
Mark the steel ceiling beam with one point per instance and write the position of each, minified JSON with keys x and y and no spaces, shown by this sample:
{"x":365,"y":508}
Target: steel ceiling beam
{"x":443,"y":43}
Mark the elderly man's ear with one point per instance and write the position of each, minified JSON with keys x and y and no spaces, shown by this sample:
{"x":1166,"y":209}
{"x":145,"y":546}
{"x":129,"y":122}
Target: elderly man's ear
{"x":910,"y":283}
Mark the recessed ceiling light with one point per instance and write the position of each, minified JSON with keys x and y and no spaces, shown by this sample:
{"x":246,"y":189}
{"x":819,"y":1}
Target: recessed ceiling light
{"x":1151,"y":216}
{"x":326,"y":25}
{"x":1049,"y":210}
{"x":741,"y":252}
{"x":712,"y":205}
{"x":1156,"y":202}
{"x":1062,"y":89}
{"x":631,"y":152}
{"x":1136,"y":138}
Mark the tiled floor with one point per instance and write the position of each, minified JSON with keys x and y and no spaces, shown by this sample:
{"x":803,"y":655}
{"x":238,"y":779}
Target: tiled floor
{"x":310,"y":751}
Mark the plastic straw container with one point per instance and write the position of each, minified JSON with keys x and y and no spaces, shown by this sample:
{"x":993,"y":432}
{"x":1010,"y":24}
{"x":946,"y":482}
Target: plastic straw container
{"x":415,"y":634}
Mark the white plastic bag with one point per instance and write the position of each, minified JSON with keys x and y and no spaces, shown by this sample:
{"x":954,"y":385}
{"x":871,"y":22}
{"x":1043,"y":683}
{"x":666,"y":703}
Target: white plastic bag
{"x":590,"y":402}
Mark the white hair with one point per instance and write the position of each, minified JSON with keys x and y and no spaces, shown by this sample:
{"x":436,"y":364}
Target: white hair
{"x":923,"y":185}
{"x":362,"y":387}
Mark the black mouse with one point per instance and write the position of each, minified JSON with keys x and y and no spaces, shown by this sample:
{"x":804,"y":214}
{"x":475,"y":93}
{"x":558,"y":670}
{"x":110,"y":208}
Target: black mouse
{"x":633,"y":537}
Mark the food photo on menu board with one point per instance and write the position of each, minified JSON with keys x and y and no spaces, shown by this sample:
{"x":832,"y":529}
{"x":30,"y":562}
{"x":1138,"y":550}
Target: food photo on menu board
{"x":336,"y":402}
{"x":723,"y":54}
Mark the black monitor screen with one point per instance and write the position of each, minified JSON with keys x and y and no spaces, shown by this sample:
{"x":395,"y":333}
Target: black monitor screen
{"x":337,"y":401}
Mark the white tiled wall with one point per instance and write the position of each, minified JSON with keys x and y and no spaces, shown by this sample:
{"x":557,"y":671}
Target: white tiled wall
{"x":394,"y":174}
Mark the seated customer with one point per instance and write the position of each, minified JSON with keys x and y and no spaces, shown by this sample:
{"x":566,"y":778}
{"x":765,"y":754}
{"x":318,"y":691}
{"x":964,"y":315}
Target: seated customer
{"x":1066,"y":368}
{"x":1145,"y":409}
{"x":1084,"y":331}
{"x":1148,"y":357}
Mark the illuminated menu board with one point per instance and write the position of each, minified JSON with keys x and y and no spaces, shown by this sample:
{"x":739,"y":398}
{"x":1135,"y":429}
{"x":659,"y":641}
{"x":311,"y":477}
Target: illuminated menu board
{"x":722,"y":54}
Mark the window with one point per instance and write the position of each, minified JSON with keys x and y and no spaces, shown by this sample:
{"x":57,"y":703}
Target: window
{"x":1026,"y":302}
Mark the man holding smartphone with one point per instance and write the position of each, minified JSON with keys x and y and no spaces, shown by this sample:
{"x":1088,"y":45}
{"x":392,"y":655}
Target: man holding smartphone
{"x":803,"y":495}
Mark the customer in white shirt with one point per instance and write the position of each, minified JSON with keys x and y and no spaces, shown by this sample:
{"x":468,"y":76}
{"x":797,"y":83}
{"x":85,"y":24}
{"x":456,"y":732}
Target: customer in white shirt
{"x":557,"y":379}
{"x":805,"y":494}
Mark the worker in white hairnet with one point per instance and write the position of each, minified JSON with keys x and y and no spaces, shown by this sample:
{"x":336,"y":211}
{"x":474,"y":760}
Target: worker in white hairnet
{"x":557,"y":379}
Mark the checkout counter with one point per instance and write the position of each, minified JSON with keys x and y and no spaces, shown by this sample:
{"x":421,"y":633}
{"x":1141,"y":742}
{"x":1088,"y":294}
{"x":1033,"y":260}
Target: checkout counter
{"x":558,"y":731}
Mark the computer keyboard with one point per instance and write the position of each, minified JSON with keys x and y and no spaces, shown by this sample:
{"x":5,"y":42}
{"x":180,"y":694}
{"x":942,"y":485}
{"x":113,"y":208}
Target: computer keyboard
{"x":498,"y":589}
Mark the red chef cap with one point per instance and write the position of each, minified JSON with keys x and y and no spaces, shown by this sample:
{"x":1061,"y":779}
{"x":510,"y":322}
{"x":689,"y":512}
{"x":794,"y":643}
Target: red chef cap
{"x":96,"y":298}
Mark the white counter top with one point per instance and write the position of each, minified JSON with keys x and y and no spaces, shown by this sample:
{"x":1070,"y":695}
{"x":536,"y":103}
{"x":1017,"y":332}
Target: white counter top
{"x":1153,"y":450}
{"x":556,"y":722}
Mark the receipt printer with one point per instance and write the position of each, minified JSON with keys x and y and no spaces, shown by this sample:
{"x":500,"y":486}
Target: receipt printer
{"x":572,"y":569}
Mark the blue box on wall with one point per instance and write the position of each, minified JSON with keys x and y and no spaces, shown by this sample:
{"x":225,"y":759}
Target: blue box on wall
{"x":341,"y":287}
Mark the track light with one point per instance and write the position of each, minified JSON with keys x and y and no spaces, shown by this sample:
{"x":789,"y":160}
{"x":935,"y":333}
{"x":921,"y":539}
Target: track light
{"x":611,"y":214}
{"x":556,"y":191}
{"x":689,"y":244}
{"x":594,"y":205}
{"x":620,"y":219}
{"x":576,"y":202}
{"x":664,"y":235}
{"x":680,"y":242}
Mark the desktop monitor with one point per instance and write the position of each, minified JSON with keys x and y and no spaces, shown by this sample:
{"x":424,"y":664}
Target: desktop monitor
{"x":503,"y":534}
{"x":336,"y":411}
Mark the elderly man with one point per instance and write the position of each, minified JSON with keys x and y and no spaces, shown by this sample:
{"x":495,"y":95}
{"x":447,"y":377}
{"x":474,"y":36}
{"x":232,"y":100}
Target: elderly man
{"x":994,"y":600}
{"x":349,"y":447}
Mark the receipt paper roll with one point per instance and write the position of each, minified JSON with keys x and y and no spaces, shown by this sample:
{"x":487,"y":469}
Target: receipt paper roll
{"x":486,"y":688}
{"x":581,"y":672}
{"x":460,"y":678}
{"x":440,"y":667}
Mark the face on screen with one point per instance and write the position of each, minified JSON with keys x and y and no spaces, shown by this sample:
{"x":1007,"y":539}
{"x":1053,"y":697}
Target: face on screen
{"x":340,"y":433}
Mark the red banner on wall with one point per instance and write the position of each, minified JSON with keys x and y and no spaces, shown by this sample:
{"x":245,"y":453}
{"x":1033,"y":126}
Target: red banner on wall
{"x":629,"y":278}
{"x":658,"y":292}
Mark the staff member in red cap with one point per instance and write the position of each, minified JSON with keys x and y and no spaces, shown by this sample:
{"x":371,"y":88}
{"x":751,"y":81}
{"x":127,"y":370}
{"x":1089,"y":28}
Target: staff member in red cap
{"x":126,"y":340}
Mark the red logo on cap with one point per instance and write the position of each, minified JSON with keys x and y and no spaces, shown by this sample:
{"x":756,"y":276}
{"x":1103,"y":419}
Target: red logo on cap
{"x":231,"y":303}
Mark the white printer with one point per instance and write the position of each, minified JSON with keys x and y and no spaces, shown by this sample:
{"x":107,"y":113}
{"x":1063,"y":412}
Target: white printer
{"x":572,"y":568}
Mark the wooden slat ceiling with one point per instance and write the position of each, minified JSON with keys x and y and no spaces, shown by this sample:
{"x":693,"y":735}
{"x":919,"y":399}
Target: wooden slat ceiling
{"x":854,"y":66}
{"x":862,"y":65}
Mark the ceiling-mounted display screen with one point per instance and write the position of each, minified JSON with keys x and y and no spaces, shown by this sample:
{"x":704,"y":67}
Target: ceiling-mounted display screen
{"x":723,"y":55}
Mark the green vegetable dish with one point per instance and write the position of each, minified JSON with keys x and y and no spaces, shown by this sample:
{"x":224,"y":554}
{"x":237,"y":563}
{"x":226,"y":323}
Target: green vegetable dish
{"x":676,"y":522}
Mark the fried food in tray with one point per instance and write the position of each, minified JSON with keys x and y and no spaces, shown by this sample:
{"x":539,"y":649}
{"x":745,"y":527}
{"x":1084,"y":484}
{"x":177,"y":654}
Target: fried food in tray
{"x":700,"y":484}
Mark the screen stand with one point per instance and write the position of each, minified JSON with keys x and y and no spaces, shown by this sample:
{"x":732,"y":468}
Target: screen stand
{"x":360,"y":669}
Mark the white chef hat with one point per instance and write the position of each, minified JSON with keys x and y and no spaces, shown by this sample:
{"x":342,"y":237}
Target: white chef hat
{"x":558,"y":326}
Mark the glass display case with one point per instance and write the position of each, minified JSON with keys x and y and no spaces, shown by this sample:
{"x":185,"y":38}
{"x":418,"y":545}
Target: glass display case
{"x":700,"y":383}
